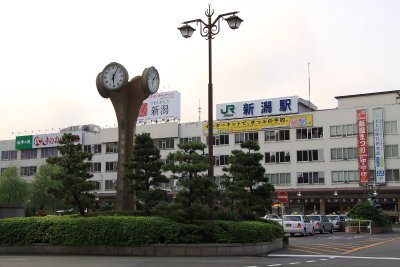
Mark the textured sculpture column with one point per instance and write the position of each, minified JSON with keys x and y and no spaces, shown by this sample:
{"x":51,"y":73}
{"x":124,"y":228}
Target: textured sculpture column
{"x":127,"y":100}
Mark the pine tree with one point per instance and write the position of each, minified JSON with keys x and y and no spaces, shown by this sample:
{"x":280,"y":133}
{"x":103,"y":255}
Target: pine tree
{"x":144,"y":169}
{"x":245,"y":183}
{"x":74,"y":163}
{"x":189,"y":167}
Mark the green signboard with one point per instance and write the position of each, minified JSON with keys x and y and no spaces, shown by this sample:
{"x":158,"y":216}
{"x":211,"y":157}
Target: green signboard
{"x":23,"y":142}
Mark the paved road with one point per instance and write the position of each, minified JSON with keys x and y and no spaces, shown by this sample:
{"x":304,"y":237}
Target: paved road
{"x":338,"y":249}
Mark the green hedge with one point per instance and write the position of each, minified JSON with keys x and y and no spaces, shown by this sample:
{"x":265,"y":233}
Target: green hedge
{"x":129,"y":230}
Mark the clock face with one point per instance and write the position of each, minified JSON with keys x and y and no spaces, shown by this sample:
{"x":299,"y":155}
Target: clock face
{"x":151,"y":80}
{"x":114,"y":76}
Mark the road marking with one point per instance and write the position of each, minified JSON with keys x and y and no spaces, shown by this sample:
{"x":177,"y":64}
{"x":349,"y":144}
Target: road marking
{"x":332,"y":257}
{"x":368,"y":246}
{"x":325,"y":248}
{"x":297,"y":262}
{"x":303,"y":250}
{"x":278,"y":264}
{"x":323,"y":259}
{"x":311,"y":261}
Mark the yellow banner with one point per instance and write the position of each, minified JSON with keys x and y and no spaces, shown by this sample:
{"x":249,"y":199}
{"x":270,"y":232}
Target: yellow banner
{"x":251,"y":125}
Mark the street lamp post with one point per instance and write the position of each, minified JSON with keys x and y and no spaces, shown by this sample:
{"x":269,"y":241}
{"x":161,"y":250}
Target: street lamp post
{"x":208,"y":30}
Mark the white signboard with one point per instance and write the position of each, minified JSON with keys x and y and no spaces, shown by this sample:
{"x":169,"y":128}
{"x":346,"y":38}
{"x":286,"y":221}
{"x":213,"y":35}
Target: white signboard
{"x":258,"y":108}
{"x":379,"y":146}
{"x":159,"y":106}
{"x":51,"y":140}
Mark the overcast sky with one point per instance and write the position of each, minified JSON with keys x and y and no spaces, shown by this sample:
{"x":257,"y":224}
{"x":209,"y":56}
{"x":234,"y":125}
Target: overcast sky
{"x":51,"y":52}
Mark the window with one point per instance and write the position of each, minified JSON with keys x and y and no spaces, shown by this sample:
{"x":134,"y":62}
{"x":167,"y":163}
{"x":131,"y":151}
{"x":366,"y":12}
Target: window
{"x":94,"y":149}
{"x":109,"y":184}
{"x":28,"y":170}
{"x":47,"y":152}
{"x":95,"y":167}
{"x":97,"y":185}
{"x":391,"y":151}
{"x":344,"y":153}
{"x":111,"y":166}
{"x":278,"y":178}
{"x":345,"y":177}
{"x":277,"y":157}
{"x":390,"y":127}
{"x":344,"y":130}
{"x":222,"y":139}
{"x":243,"y":137}
{"x":310,"y":178}
{"x":9,"y":155}
{"x":350,"y":130}
{"x":112,"y":147}
{"x":336,"y":131}
{"x":392,"y":175}
{"x":218,"y":181}
{"x":310,"y":155}
{"x":371,"y":152}
{"x":371,"y":175}
{"x":164,"y":143}
{"x":309,"y":133}
{"x":29,"y":153}
{"x":221,"y":160}
{"x":276,"y":135}
{"x":189,"y":139}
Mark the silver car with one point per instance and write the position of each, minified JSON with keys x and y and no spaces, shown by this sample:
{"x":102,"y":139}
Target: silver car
{"x":273,"y":217}
{"x":337,"y":221}
{"x":321,"y":223}
{"x":297,"y":224}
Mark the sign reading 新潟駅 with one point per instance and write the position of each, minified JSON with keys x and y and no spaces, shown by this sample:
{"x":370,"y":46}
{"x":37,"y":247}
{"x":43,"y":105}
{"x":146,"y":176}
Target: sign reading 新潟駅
{"x":294,"y":121}
{"x":159,"y":106}
{"x":42,"y":140}
{"x":258,"y":108}
{"x":379,"y":146}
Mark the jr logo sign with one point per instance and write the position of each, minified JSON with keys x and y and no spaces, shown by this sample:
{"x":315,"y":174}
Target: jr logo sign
{"x":229,"y":111}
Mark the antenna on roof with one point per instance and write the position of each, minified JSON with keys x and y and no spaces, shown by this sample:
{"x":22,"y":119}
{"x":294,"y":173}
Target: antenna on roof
{"x":199,"y":110}
{"x":309,"y":89}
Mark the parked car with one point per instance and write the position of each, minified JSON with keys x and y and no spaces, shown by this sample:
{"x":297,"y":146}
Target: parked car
{"x":297,"y":224}
{"x":321,"y":223}
{"x":273,"y":217}
{"x":337,"y":221}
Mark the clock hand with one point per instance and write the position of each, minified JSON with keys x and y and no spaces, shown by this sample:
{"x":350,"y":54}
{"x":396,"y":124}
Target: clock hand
{"x":114,"y":75}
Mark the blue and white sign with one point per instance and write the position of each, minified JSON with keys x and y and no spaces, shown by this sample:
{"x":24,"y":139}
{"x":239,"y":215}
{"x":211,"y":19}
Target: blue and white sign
{"x":258,"y":108}
{"x":379,"y":146}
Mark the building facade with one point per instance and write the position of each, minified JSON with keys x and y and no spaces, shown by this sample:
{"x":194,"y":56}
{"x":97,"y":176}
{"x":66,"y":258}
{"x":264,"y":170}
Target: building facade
{"x":319,"y":157}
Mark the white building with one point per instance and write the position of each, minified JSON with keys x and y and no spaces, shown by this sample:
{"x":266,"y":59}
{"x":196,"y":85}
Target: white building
{"x":311,"y":154}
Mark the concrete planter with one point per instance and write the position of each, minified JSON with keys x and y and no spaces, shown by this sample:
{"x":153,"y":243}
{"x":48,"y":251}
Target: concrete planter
{"x":173,"y":250}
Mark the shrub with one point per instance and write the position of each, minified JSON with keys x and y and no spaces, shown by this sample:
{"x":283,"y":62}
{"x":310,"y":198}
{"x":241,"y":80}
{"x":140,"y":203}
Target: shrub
{"x":365,"y":211}
{"x":130,"y":230}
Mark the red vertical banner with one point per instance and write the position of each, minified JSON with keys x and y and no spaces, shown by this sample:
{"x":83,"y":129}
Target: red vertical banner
{"x":362,"y":145}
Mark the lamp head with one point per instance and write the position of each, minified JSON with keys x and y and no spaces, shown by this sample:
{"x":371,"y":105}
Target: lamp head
{"x":234,"y":22}
{"x":187,"y":30}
